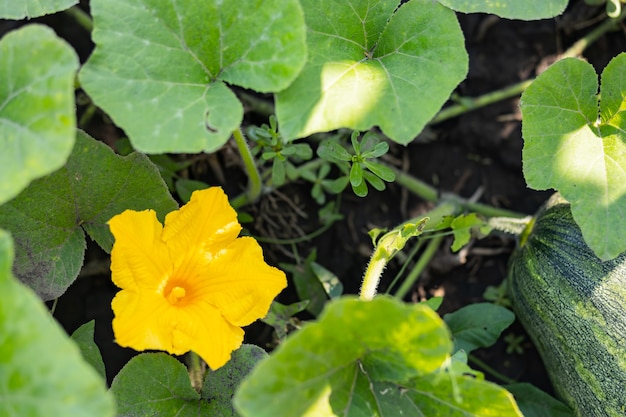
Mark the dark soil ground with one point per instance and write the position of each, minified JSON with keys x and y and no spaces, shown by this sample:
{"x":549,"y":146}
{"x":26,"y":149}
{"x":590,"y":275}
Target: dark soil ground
{"x":478,"y":151}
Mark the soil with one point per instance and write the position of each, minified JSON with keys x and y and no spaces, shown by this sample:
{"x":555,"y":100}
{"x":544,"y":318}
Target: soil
{"x":479,"y":151}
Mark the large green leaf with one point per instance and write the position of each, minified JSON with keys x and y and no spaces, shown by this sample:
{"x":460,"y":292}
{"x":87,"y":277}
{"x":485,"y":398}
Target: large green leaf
{"x":579,"y":149}
{"x":359,"y":360}
{"x":511,"y":9}
{"x":49,"y":218}
{"x":37,"y":114}
{"x":160,"y":68}
{"x":374,"y":63}
{"x":41,"y":371}
{"x":156,"y":384}
{"x":11,"y":9}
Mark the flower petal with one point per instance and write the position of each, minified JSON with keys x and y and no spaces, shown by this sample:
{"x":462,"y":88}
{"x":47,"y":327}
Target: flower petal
{"x":216,"y":338}
{"x":139,"y":258}
{"x":240,"y":284}
{"x":201,"y":227}
{"x":150,"y":322}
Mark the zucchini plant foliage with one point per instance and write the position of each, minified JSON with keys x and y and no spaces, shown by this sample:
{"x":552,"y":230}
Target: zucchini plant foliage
{"x":37,"y":113}
{"x":10,"y":9}
{"x":373,"y":63}
{"x":41,"y":370}
{"x":48,"y":220}
{"x":524,"y":10}
{"x":160,"y":69}
{"x":577,"y":146}
{"x":369,"y":358}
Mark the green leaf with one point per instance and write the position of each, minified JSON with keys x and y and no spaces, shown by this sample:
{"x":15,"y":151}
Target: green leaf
{"x":219,"y":386}
{"x":156,"y":384}
{"x":510,"y":9}
{"x":579,"y":149}
{"x":463,"y":226}
{"x":41,"y":371}
{"x":331,"y":283}
{"x":37,"y":114}
{"x":380,"y":170}
{"x":447,"y":395}
{"x":374,"y":63}
{"x":169,"y":63}
{"x":535,"y":403}
{"x":49,"y":218}
{"x":83,"y":337}
{"x":356,"y":174}
{"x":332,"y":151}
{"x":327,"y":367}
{"x":478,"y":325}
{"x":18,"y":10}
{"x":280,"y":317}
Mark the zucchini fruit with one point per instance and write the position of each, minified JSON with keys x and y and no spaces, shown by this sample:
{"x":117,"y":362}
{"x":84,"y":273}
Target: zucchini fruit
{"x":573,"y":306}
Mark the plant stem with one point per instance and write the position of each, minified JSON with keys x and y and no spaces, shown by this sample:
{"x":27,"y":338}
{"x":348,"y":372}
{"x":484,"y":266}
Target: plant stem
{"x":490,"y":370}
{"x":468,"y":104}
{"x":372,"y":275}
{"x":82,"y":18}
{"x":255,"y":184}
{"x":196,"y":370}
{"x":419,"y":267}
{"x":430,"y":193}
{"x":579,"y":46}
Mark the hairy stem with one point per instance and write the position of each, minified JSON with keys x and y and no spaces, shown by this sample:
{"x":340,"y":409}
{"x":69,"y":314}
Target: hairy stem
{"x":419,"y":267}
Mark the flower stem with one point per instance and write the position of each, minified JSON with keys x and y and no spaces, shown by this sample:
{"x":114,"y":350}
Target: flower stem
{"x":197,"y":369}
{"x":254,"y":178}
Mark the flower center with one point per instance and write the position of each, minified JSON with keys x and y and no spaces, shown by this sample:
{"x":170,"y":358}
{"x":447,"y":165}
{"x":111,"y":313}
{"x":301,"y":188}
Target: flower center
{"x":175,"y":295}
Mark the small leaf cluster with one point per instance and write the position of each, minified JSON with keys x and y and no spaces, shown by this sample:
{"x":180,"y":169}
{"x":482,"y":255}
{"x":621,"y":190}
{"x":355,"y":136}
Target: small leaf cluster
{"x":361,"y":166}
{"x":273,"y":147}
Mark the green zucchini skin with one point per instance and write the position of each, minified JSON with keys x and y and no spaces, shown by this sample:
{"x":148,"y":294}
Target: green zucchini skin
{"x":573,"y":307}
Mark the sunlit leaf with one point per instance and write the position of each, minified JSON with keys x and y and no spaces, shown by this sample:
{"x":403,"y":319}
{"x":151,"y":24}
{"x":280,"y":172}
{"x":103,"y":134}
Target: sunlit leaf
{"x":441,"y":394}
{"x":368,"y":358}
{"x":374,"y":63}
{"x":49,"y":218}
{"x":37,"y":113}
{"x":12,"y":9}
{"x":42,"y":372}
{"x":329,"y":365}
{"x":511,"y":9}
{"x":579,"y":148}
{"x":160,"y":68}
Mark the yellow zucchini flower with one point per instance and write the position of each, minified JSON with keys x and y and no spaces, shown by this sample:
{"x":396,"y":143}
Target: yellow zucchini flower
{"x":189,"y":285}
